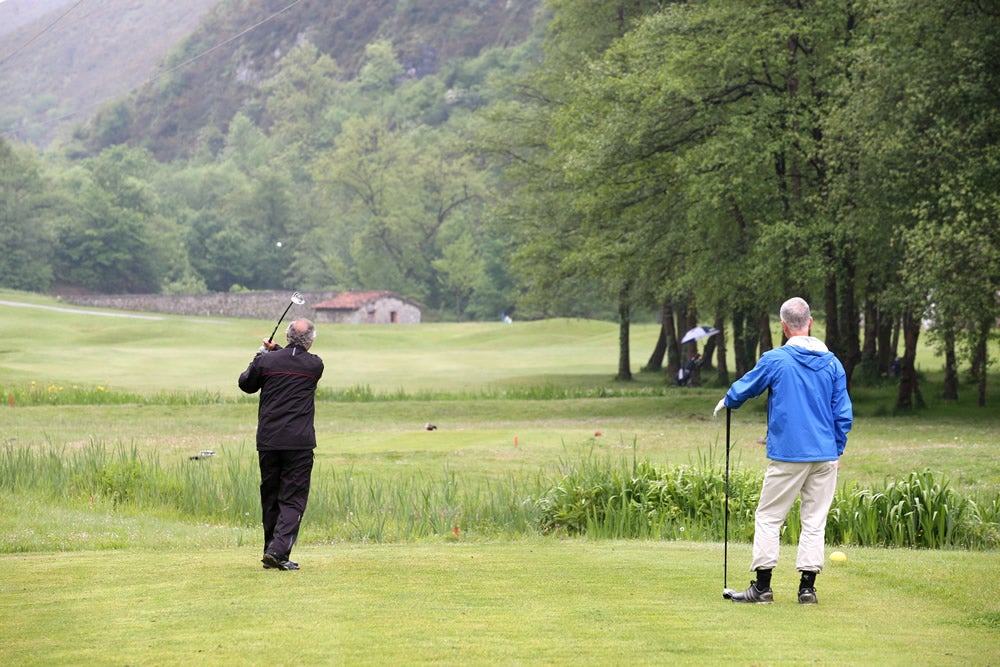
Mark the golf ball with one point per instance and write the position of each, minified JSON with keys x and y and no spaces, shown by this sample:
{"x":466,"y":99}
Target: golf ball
{"x":838,"y":557}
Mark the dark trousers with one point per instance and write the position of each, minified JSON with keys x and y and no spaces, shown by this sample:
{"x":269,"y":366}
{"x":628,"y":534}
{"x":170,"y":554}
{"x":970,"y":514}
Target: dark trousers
{"x":284,"y":490}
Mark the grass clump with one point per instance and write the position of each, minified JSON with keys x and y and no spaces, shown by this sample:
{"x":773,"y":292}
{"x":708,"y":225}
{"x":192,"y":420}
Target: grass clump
{"x":619,"y":500}
{"x":602,"y":499}
{"x":918,"y":511}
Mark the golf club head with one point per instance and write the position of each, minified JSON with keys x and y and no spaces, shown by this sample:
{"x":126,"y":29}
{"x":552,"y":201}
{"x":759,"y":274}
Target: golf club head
{"x":297,"y":299}
{"x":728,"y":593}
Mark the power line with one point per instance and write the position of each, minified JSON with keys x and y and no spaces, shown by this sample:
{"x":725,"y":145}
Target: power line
{"x":221,"y":44}
{"x":42,"y":32}
{"x":159,"y":75}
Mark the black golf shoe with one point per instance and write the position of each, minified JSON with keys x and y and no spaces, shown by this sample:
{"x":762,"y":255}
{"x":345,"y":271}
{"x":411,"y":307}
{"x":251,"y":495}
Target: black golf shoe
{"x":753,"y":594}
{"x":808,"y":596}
{"x":272,"y":562}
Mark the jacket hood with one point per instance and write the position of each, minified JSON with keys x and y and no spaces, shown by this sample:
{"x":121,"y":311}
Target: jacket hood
{"x":809,"y":351}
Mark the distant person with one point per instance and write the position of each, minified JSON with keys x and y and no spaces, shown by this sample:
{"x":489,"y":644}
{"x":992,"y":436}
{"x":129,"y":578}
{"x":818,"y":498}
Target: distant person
{"x":286,"y":435}
{"x":686,"y":372}
{"x":809,"y":414}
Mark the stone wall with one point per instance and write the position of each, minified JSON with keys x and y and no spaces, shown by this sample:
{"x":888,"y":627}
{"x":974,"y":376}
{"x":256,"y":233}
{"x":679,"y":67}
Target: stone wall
{"x":251,"y":305}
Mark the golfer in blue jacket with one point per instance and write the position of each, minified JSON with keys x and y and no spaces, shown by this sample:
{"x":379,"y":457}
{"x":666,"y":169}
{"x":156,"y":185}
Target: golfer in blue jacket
{"x":809,"y":414}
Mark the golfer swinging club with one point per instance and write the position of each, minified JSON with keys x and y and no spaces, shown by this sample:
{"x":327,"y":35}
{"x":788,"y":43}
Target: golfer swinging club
{"x":809,"y":414}
{"x":286,"y":436}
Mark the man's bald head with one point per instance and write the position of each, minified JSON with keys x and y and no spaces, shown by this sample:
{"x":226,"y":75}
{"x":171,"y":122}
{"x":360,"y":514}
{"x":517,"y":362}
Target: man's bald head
{"x":301,"y":332}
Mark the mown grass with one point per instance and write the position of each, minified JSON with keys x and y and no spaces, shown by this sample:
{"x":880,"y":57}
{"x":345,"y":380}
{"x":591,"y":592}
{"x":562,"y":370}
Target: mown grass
{"x":537,"y":601}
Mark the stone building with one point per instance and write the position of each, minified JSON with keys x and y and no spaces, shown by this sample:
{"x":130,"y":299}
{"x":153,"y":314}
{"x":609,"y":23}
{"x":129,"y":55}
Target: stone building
{"x":373,"y":307}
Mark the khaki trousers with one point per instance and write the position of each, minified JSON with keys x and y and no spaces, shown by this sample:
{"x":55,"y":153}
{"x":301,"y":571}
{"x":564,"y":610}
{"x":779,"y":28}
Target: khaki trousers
{"x":783,"y":481}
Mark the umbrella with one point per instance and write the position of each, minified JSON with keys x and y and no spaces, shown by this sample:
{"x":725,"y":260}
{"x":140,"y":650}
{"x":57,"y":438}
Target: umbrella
{"x":698,"y":333}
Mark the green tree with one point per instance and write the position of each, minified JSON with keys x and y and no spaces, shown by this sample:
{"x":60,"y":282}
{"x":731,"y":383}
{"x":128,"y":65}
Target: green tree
{"x":27,"y":207}
{"x":298,"y":98}
{"x":920,"y":131}
{"x":111,"y":242}
{"x":381,"y":70}
{"x":460,"y":269}
{"x":396,"y":195}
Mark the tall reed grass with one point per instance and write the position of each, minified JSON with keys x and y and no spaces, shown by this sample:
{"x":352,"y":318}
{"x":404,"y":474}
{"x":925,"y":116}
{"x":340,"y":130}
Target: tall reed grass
{"x":592,"y":495}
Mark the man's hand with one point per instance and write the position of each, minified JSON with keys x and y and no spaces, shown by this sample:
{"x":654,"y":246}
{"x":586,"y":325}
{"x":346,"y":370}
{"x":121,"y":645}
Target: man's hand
{"x":267,"y":346}
{"x":721,"y":405}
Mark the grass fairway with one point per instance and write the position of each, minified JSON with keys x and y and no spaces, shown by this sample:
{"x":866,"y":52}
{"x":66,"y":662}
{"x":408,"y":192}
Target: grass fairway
{"x":153,"y":352}
{"x":520,"y":602}
{"x":88,"y":582}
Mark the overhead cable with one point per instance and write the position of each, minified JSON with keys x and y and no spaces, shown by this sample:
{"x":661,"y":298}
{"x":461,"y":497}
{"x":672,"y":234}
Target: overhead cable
{"x":40,"y":33}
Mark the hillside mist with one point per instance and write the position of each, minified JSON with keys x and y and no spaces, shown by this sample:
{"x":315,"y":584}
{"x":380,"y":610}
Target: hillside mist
{"x":57,"y":69}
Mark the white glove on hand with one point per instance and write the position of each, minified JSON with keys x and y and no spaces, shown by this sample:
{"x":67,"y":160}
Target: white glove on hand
{"x":721,"y":405}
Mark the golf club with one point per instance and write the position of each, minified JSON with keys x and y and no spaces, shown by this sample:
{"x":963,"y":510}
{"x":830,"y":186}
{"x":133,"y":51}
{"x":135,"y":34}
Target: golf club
{"x":727,"y":593}
{"x":296,"y":299}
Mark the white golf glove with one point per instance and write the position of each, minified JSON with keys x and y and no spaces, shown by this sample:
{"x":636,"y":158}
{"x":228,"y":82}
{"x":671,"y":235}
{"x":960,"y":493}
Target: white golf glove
{"x":720,"y":406}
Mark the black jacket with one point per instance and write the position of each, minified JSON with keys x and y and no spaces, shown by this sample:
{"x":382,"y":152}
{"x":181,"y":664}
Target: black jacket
{"x":286,"y":379}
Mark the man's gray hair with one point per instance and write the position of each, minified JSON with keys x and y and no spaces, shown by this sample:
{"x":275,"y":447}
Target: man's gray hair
{"x":795,"y":313}
{"x":301,"y":332}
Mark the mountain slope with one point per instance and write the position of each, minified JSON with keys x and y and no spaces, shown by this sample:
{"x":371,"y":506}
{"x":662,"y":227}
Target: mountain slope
{"x":79,"y":55}
{"x":16,"y":13}
{"x":220,"y":66}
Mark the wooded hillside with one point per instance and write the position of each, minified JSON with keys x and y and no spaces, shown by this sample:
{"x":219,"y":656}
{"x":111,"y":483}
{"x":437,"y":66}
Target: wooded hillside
{"x":58,"y":68}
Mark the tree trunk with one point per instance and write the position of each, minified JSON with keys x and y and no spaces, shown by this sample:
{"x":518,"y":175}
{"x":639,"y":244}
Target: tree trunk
{"x":713,"y":344}
{"x":744,"y":340}
{"x":886,"y":345}
{"x":983,"y":360}
{"x":909,"y":391}
{"x":832,"y":321}
{"x":624,"y":320}
{"x":681,"y":316}
{"x":721,"y":364}
{"x":655,"y":363}
{"x":764,"y":331}
{"x":894,"y":344}
{"x":950,"y":365}
{"x":673,"y":349}
{"x":869,"y":349}
{"x":849,"y":322}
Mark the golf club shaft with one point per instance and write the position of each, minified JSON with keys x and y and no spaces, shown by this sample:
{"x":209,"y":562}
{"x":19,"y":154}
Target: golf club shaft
{"x":271,"y":338}
{"x":725,"y":547}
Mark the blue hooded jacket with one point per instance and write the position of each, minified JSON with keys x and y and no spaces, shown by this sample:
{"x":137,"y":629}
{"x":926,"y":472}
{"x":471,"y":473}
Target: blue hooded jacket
{"x":809,"y":411}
